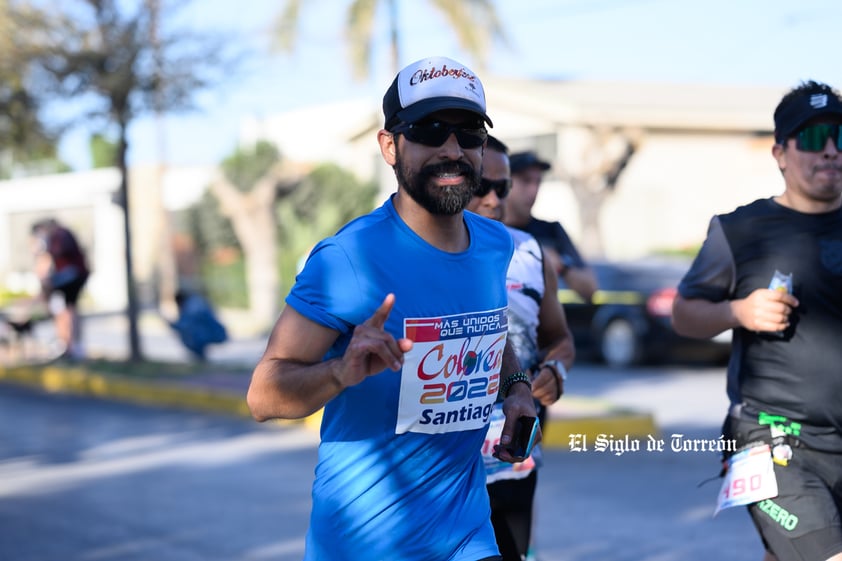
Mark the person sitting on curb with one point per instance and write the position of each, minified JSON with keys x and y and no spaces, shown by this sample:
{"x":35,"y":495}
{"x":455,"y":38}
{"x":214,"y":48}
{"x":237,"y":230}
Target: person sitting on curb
{"x":197,"y":324}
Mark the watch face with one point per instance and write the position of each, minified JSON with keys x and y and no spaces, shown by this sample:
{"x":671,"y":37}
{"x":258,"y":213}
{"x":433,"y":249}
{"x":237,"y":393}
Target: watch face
{"x":559,"y":367}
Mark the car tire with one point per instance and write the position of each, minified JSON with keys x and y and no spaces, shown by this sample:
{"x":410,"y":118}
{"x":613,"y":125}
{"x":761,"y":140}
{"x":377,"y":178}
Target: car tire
{"x":620,"y":345}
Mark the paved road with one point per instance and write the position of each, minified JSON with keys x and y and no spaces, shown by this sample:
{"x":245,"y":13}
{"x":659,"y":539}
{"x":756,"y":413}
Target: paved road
{"x":90,"y":480}
{"x":85,"y":480}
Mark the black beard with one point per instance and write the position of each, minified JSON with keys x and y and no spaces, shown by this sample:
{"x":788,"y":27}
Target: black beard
{"x":447,"y":200}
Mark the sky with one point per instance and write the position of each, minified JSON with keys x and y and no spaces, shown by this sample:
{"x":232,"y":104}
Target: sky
{"x":774,"y":43}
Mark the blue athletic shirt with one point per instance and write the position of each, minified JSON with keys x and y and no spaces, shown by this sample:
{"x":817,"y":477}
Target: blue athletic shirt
{"x":400,"y":476}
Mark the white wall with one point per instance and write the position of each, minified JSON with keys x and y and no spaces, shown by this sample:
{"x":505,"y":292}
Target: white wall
{"x":670,"y":190}
{"x":90,"y":194}
{"x":86,"y":198}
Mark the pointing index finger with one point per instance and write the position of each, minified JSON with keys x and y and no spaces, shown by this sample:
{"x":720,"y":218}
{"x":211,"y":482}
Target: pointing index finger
{"x":378,"y":319}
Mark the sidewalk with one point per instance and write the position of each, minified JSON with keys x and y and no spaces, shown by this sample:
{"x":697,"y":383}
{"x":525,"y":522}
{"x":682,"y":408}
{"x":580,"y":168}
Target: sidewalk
{"x":220,"y":385}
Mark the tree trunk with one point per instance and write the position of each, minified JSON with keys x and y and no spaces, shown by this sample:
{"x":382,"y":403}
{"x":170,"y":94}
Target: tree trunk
{"x":604,"y":158}
{"x":252,"y":216}
{"x":590,"y":207}
{"x":135,"y":353}
{"x":261,"y":273}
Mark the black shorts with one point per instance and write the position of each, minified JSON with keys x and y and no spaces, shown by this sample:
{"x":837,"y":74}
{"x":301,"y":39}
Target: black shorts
{"x":513,"y":495}
{"x":511,"y":514}
{"x":69,"y":285}
{"x":804,"y":521}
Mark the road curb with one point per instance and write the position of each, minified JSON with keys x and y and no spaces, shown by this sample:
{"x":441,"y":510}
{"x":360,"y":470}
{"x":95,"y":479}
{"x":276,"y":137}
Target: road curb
{"x":80,"y":381}
{"x":570,"y":416}
{"x":575,"y":417}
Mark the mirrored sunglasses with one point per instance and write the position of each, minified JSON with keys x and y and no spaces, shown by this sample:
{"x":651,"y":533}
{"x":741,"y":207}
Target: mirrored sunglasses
{"x":436,"y":133}
{"x":500,"y":186}
{"x":814,"y":138}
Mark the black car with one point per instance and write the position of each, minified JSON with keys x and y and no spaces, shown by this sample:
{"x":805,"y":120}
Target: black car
{"x":628,"y":320}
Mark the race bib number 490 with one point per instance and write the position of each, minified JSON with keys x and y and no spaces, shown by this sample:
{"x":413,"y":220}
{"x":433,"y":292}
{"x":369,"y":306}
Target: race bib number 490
{"x":750,"y":478}
{"x":450,"y":377}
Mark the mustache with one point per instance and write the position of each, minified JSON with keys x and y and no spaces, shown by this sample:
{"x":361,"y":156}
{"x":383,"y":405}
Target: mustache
{"x":443,"y":168}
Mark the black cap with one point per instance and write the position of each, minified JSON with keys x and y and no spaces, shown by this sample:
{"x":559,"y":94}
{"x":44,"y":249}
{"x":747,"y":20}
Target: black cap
{"x":792,"y":114}
{"x":523,"y":160}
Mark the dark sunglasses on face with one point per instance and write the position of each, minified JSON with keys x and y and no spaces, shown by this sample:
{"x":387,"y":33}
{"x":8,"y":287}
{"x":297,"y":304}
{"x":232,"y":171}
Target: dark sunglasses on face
{"x":500,"y":186}
{"x":814,"y":138}
{"x":436,"y":133}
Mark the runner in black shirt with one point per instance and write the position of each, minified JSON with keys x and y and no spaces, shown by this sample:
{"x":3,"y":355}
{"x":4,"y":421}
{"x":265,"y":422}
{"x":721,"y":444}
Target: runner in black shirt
{"x":772,"y":272}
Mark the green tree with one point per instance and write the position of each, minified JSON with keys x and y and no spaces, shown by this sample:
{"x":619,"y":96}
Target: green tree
{"x":327,"y":198}
{"x":127,"y":63}
{"x":24,"y":138}
{"x":209,"y":229}
{"x":215,"y":253}
{"x":103,"y":151}
{"x":277,"y":216}
{"x":474,"y":22}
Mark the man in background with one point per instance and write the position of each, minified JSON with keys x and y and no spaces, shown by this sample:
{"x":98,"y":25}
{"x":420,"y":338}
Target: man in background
{"x":527,"y":171}
{"x":197,"y":324}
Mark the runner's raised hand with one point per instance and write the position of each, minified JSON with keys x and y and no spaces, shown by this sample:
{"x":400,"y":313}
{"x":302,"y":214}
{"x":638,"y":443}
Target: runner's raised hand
{"x":372,"y":349}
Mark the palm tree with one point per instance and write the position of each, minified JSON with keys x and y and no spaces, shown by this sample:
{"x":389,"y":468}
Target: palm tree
{"x":474,"y":22}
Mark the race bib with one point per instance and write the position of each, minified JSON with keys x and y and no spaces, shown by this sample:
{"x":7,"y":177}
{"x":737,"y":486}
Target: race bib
{"x":450,"y":378}
{"x":750,"y":478}
{"x":495,"y":470}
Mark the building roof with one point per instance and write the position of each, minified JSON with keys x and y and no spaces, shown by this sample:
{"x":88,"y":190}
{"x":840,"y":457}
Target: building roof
{"x":636,"y":104}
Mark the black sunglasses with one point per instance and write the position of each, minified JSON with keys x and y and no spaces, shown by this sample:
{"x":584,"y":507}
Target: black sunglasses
{"x":814,"y":138}
{"x":500,"y":186}
{"x":436,"y":133}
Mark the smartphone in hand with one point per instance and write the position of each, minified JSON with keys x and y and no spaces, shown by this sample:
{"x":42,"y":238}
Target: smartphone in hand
{"x":524,"y":438}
